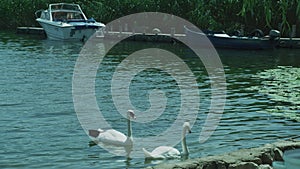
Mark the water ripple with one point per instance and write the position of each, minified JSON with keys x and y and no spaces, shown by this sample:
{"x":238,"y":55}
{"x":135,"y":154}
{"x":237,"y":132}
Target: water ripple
{"x":39,"y":127}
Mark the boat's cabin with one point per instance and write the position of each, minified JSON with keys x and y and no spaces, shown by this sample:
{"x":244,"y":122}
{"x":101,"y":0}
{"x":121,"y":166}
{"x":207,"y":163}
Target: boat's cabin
{"x":64,"y":12}
{"x":66,"y":16}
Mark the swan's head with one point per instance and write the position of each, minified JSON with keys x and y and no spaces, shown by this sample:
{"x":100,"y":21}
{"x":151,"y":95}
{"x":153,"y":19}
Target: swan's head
{"x":187,"y":127}
{"x":130,"y":114}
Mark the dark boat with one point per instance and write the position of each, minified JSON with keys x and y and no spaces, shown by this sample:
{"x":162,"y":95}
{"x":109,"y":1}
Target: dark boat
{"x":223,"y":40}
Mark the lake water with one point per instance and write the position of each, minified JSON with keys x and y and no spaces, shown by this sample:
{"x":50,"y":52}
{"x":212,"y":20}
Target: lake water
{"x":39,"y":126}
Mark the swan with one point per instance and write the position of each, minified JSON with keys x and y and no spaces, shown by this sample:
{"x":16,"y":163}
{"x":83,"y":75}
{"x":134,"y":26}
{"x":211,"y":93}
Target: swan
{"x":167,"y":152}
{"x":114,"y":137}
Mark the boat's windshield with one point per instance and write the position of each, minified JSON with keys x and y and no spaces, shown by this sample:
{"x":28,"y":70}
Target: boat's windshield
{"x":66,"y":12}
{"x":71,"y":7}
{"x":66,"y":15}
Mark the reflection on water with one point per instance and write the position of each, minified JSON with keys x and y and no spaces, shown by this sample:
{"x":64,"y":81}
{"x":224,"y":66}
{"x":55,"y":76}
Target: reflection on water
{"x":39,"y":127}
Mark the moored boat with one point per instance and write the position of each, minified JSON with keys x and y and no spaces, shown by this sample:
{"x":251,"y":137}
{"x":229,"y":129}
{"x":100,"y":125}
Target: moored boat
{"x":223,"y":40}
{"x":63,"y":21}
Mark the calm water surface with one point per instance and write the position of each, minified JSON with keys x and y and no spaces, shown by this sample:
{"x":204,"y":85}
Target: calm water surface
{"x":39,"y":127}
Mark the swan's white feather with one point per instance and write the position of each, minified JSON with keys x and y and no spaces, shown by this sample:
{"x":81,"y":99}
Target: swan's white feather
{"x":162,"y":152}
{"x":112,"y":136}
{"x":165,"y":152}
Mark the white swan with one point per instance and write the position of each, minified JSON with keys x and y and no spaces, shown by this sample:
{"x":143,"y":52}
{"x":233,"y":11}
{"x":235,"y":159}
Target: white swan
{"x":165,"y":152}
{"x":114,"y":137}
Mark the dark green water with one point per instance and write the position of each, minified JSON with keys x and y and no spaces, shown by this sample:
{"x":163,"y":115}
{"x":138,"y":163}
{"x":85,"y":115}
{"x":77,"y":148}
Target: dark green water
{"x":39,"y":127}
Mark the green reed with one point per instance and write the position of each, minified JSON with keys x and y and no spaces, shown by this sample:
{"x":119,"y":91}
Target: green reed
{"x":225,"y":15}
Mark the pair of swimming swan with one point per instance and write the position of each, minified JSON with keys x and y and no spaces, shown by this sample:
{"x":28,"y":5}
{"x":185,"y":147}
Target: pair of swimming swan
{"x":114,"y":137}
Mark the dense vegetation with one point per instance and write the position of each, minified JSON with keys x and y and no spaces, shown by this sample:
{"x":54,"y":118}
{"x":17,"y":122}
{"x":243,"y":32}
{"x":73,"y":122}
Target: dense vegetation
{"x":213,"y":14}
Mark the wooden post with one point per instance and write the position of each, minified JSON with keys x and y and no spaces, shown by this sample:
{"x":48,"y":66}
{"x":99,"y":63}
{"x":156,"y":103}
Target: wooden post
{"x":172,"y":31}
{"x":126,"y":27}
{"x":293,"y":33}
{"x":280,"y":27}
{"x":134,"y":27}
{"x":106,"y":29}
{"x":120,"y":29}
{"x":242,"y":30}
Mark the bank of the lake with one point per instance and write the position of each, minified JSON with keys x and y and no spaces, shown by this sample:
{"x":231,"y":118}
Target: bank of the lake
{"x":252,"y":158}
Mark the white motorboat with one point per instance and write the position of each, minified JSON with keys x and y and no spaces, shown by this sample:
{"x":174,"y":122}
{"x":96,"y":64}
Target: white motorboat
{"x":63,"y":21}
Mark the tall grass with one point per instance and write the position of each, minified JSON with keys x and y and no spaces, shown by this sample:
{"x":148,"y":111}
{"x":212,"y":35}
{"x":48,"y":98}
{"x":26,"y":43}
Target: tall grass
{"x":225,"y":15}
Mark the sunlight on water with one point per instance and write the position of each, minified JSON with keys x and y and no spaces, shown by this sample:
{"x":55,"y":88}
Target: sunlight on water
{"x":281,"y":85}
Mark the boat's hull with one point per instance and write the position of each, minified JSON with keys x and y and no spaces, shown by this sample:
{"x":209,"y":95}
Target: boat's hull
{"x":242,"y":43}
{"x":68,"y":32}
{"x":230,"y":42}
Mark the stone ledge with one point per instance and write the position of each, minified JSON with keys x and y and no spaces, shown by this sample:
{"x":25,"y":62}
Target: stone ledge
{"x":252,"y":158}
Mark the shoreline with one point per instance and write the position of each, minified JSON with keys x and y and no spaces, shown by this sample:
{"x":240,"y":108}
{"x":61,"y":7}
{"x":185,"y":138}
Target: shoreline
{"x":151,"y":37}
{"x":250,"y":158}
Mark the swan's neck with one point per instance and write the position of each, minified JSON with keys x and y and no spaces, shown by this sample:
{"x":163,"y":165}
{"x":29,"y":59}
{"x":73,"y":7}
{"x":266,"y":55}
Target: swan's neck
{"x":185,"y":150}
{"x":129,"y":127}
